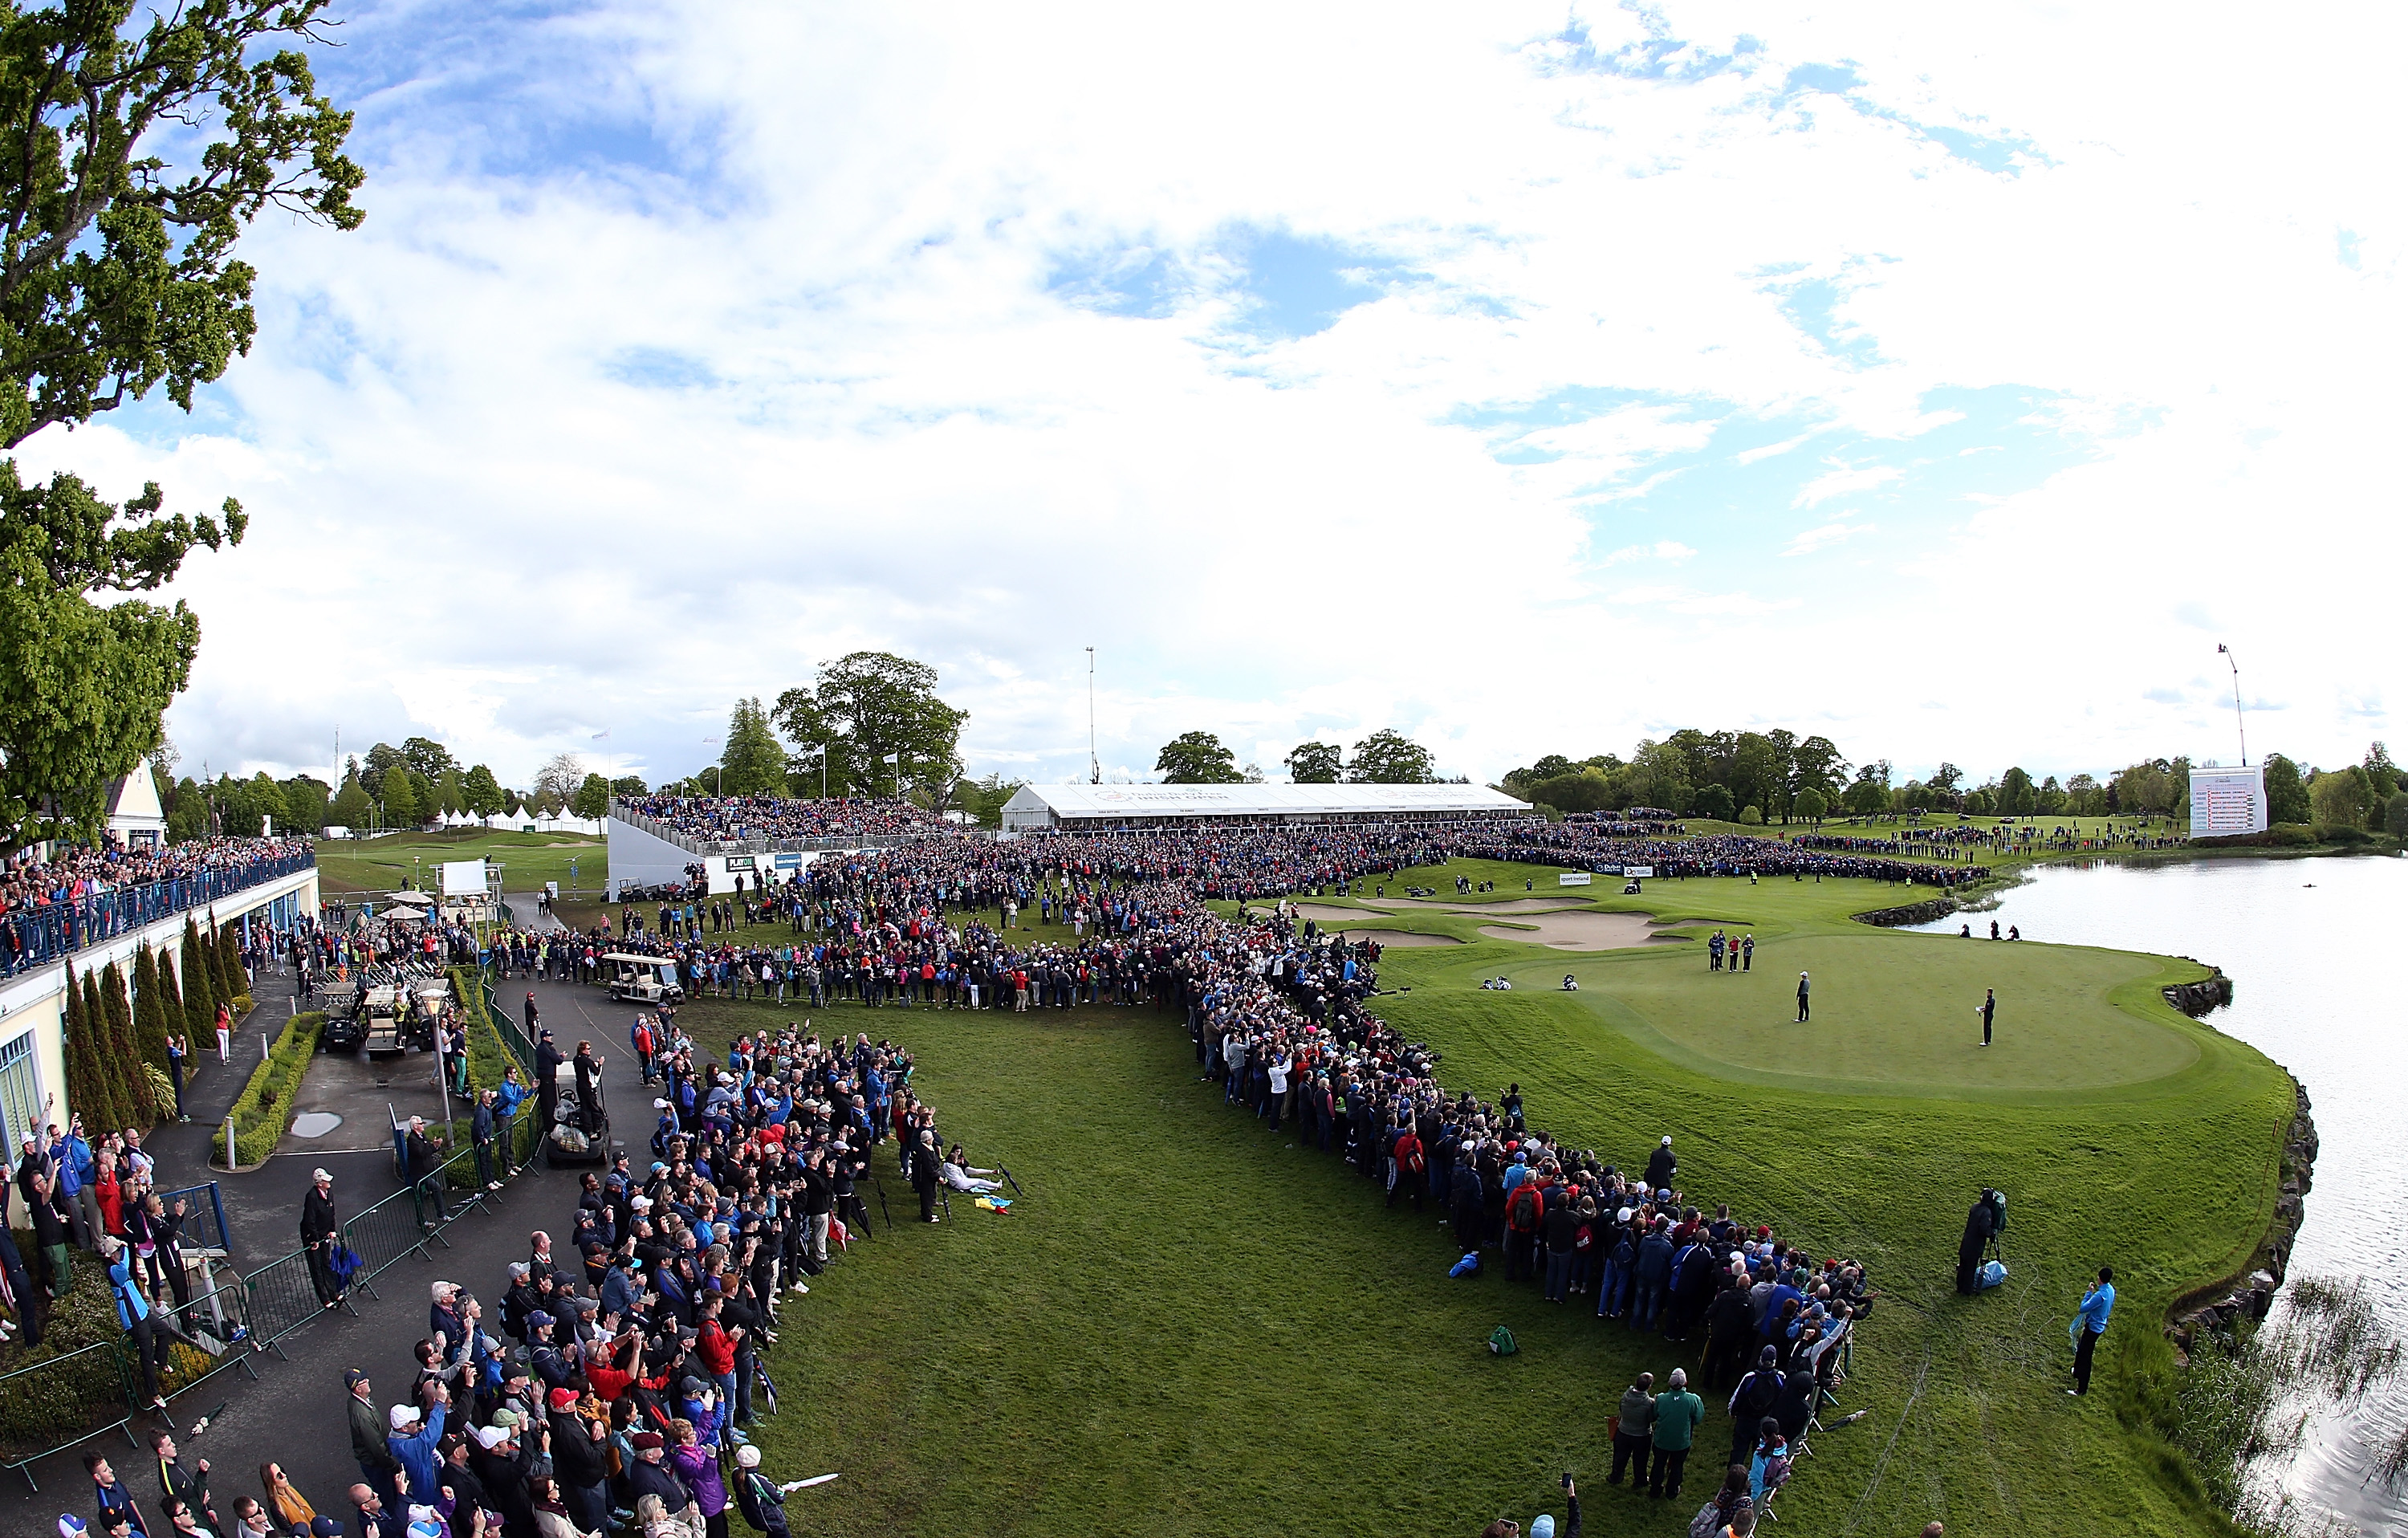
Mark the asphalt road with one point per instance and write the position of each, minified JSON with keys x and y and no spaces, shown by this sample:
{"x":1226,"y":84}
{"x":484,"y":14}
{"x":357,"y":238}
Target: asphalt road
{"x":293,"y":1413}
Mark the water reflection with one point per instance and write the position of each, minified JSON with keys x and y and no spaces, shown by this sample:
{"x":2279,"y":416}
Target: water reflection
{"x":2306,"y":943}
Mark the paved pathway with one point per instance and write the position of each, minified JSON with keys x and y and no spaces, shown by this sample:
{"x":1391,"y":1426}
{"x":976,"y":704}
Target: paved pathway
{"x":293,"y":1413}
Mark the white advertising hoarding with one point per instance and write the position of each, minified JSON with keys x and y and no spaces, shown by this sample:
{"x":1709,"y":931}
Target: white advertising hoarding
{"x":2225,"y":801}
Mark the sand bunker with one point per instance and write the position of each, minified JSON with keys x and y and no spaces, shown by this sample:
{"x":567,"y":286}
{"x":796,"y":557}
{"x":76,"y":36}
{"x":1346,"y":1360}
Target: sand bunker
{"x":1579,"y":931}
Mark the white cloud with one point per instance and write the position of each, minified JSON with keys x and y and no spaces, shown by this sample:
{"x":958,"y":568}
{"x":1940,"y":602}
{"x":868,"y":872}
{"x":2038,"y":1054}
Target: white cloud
{"x":1823,"y":538}
{"x":1749,"y":456}
{"x":688,"y":345}
{"x":1845,"y":480}
{"x":1662,"y":550}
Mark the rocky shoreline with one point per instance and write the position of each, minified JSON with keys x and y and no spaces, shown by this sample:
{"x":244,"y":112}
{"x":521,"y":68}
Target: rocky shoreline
{"x":1912,"y":912}
{"x":2251,"y":1293}
{"x":2202,"y":996}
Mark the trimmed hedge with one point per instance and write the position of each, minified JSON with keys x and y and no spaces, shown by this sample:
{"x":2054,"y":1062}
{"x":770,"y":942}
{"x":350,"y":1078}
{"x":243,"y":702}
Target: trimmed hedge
{"x":489,"y":1058}
{"x":51,"y":1402}
{"x":264,"y":1107}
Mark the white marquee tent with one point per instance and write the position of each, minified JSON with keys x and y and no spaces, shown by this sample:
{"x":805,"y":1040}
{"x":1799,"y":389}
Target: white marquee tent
{"x":1099,"y":806}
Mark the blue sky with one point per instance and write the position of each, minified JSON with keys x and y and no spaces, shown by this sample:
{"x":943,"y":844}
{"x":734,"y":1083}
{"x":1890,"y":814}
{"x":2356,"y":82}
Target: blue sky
{"x":1527,"y":381}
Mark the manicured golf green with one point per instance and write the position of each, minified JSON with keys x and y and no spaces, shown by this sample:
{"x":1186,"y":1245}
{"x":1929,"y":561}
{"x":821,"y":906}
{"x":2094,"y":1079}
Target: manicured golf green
{"x":1190,"y":1325}
{"x":528,"y":859}
{"x":1890,"y":1010}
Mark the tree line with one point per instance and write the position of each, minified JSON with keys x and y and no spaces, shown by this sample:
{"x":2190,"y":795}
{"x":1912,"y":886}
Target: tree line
{"x":868,"y":724}
{"x":1778,"y":776}
{"x":1386,"y":757}
{"x":403,"y":787}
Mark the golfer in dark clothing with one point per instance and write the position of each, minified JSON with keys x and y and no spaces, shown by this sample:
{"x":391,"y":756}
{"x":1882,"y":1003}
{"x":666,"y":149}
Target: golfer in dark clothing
{"x":1802,"y":1010}
{"x":1969,"y":1249}
{"x":1989,"y":1010}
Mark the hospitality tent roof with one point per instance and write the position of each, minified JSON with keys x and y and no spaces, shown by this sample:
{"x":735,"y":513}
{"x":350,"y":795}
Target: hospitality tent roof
{"x":1050,"y":805}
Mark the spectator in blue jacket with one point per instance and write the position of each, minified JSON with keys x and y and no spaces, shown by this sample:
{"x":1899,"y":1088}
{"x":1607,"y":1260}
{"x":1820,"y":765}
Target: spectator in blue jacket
{"x":2090,"y":1323}
{"x":413,"y":1440}
{"x":508,"y":1095}
{"x":148,"y":1330}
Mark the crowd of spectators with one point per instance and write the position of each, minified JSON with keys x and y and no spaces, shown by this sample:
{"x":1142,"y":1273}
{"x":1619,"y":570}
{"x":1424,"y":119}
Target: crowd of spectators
{"x":778,"y":819}
{"x":638,"y":1364}
{"x":1807,"y":855}
{"x":55,"y":902}
{"x":1280,"y":1017}
{"x":612,"y":1380}
{"x":91,"y":1193}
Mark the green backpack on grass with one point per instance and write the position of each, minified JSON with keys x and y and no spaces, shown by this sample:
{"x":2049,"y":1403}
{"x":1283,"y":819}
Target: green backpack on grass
{"x":1500,"y":1342}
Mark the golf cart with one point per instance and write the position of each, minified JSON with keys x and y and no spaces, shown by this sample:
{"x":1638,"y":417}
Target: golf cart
{"x":378,"y":1016}
{"x":346,"y":1027}
{"x":641,"y":979}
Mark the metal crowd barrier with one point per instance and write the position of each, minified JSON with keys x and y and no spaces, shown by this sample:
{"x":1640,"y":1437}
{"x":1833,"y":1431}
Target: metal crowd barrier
{"x":281,"y":1297}
{"x":38,"y":1403}
{"x":204,"y":1224}
{"x":222,"y":1322}
{"x":381,"y":1234}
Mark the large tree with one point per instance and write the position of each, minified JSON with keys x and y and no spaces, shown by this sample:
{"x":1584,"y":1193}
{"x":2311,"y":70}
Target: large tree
{"x":753,"y":762}
{"x":1315,"y":764}
{"x":558,"y":780}
{"x":427,"y":758}
{"x":483,"y":792}
{"x":2286,"y":795}
{"x":117,"y":277}
{"x":304,"y":799}
{"x":402,"y":807}
{"x":866,"y":707}
{"x":350,"y":807}
{"x":382,"y":760}
{"x":593,"y":799}
{"x":1390,"y":758}
{"x":2342,"y":797}
{"x":1198,"y":758}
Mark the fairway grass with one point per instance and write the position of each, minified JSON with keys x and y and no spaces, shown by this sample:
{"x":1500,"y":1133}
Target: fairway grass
{"x":1191,"y":1326}
{"x":528,"y":859}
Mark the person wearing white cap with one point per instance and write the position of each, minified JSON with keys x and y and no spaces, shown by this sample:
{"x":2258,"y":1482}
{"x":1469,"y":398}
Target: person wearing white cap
{"x":1661,"y":1165}
{"x":758,"y":1496}
{"x":1802,"y":988}
{"x":321,"y":1231}
{"x":412,"y":1441}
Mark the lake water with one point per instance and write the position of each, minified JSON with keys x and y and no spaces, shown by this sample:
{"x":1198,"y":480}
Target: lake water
{"x":2304,"y":941}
